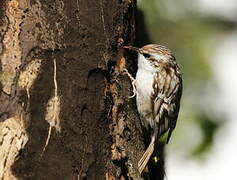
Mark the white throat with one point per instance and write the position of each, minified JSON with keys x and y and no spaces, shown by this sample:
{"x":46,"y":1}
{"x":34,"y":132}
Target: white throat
{"x":144,"y":64}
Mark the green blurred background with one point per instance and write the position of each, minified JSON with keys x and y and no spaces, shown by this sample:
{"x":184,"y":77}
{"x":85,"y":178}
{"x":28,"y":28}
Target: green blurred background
{"x":201,"y":33}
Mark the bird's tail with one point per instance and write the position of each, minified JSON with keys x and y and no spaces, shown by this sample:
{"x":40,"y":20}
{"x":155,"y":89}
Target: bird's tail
{"x":146,"y":156}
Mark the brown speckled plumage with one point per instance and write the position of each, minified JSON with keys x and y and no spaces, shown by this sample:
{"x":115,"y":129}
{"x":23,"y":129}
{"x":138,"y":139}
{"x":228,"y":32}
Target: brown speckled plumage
{"x":159,"y":89}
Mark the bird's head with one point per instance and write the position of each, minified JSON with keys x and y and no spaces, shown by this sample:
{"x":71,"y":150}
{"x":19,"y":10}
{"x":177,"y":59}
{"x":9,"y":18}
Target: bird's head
{"x":154,"y":53}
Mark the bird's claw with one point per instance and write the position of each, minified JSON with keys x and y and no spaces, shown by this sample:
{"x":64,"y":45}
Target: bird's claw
{"x":133,"y":81}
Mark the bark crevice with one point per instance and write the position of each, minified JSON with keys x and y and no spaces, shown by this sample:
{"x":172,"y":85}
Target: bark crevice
{"x":100,"y":133}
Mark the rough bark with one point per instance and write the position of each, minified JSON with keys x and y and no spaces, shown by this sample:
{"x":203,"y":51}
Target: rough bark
{"x":65,"y":111}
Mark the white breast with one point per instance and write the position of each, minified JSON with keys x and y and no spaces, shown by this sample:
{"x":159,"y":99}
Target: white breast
{"x":144,"y":77}
{"x":144,"y":84}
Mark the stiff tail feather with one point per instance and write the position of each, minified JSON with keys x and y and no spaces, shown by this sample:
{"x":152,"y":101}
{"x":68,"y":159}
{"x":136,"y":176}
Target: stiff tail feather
{"x":146,"y":156}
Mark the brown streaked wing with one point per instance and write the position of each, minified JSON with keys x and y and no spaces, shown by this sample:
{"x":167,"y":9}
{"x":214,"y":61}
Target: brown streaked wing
{"x":166,"y":87}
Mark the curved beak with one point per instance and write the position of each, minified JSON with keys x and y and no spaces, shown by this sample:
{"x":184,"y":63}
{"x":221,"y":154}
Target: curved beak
{"x":132,"y":48}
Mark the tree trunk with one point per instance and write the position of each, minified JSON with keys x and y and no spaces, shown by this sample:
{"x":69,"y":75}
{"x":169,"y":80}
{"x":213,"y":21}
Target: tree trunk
{"x":64,"y":106}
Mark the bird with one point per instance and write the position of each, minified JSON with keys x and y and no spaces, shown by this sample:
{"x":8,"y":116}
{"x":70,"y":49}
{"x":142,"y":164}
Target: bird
{"x":158,"y":90}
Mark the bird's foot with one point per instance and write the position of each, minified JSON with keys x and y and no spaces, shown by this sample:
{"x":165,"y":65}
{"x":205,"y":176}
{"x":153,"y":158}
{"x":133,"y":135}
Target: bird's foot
{"x":133,"y":81}
{"x":156,"y":159}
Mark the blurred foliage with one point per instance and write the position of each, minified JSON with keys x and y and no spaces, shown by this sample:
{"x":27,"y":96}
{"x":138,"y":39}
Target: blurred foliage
{"x":190,"y":36}
{"x":208,"y":128}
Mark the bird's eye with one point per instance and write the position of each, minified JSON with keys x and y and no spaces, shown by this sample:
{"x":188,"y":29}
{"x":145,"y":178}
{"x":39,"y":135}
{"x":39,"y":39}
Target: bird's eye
{"x":146,"y":55}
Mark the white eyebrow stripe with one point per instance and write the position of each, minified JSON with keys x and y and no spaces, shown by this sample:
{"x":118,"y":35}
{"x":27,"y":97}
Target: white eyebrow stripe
{"x":158,"y":56}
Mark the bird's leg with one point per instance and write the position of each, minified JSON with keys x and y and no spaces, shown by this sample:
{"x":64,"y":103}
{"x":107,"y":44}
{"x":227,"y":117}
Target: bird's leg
{"x":133,"y":81}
